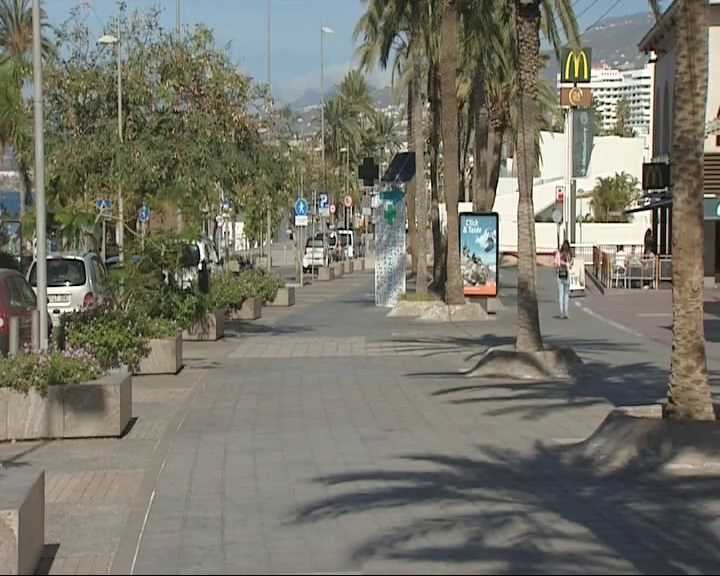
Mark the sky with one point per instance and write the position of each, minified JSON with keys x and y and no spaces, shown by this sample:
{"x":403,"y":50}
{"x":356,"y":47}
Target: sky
{"x":295,"y":33}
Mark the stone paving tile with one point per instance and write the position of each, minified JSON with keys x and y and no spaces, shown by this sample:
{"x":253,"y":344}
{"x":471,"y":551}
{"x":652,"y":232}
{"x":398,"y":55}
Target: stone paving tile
{"x":390,"y":462}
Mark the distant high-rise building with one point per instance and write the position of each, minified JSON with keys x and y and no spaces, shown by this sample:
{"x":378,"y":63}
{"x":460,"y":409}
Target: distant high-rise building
{"x":609,"y":86}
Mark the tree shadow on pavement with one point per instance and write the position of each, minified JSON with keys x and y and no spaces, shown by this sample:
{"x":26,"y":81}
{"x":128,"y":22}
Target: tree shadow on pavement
{"x":597,"y":383}
{"x":507,"y":512}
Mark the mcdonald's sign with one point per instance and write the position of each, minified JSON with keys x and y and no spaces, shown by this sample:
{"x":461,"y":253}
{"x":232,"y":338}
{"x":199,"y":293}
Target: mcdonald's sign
{"x":655,"y":176}
{"x":575,"y":66}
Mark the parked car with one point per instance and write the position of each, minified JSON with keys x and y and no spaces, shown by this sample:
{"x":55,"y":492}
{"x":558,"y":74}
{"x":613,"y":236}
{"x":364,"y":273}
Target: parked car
{"x":16,"y":299}
{"x":75,"y":282}
{"x":314,"y":255}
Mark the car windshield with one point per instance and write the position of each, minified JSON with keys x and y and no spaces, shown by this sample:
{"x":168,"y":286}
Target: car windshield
{"x":314,"y":243}
{"x":190,"y":256}
{"x":345,"y":240}
{"x":61,"y":272}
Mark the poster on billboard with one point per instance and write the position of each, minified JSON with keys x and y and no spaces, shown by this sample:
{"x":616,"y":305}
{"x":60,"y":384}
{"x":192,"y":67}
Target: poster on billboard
{"x":479,"y":253}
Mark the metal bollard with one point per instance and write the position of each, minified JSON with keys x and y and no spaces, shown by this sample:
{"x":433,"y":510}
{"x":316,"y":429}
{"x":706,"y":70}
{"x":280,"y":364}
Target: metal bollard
{"x":14,"y":338}
{"x":35,"y":330}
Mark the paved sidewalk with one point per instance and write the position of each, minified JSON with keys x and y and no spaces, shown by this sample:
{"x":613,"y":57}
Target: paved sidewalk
{"x":649,"y":313}
{"x":337,"y":440}
{"x":96,"y":489}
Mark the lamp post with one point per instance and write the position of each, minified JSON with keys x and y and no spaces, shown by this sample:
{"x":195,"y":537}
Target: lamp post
{"x":323,"y":30}
{"x":269,"y":105}
{"x":40,"y":217}
{"x":346,"y":149}
{"x":115,"y":40}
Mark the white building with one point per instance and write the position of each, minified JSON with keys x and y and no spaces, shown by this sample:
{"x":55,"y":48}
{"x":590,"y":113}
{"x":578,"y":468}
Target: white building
{"x":610,"y":155}
{"x":610,"y":85}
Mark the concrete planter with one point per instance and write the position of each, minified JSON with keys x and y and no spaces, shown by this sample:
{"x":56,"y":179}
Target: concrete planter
{"x":326,"y":273}
{"x":339,"y":269}
{"x":348,"y":267}
{"x":100,"y":408}
{"x":360,"y":264}
{"x":22,"y":519}
{"x":165,"y":356}
{"x":251,"y":309}
{"x":284,"y":297}
{"x":211,"y":327}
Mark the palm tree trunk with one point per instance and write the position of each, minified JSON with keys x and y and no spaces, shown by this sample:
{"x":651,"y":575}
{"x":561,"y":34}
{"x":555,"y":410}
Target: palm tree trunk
{"x":448,"y":79}
{"x":494,"y":160}
{"x":438,"y":256}
{"x":688,"y":390}
{"x":411,"y":199}
{"x":418,"y":143}
{"x":480,"y":203}
{"x":527,"y":14}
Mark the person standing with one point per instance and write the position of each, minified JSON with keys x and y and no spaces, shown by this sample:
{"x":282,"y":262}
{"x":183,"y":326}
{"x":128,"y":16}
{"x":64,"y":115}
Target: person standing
{"x":563,"y":265}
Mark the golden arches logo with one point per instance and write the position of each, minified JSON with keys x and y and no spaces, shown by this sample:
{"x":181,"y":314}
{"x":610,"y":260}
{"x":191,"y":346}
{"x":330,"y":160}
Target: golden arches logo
{"x":576,"y":65}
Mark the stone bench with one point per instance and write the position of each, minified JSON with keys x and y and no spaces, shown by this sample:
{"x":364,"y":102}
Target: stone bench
{"x":22,"y":519}
{"x":326,"y":273}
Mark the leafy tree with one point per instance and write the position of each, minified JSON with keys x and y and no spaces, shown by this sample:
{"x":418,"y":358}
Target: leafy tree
{"x":612,"y":195}
{"x":189,"y":136}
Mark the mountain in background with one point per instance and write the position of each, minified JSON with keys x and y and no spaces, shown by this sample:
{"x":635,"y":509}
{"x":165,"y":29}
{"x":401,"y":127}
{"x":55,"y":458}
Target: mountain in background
{"x":614,"y":41}
{"x":381,"y":97}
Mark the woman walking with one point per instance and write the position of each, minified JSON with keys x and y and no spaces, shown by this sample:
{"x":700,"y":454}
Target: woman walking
{"x":563,"y":265}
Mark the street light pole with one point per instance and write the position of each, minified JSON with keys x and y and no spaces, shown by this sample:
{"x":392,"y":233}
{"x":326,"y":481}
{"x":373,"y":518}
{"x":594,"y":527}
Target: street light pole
{"x":121,"y":205}
{"x":177,"y":18}
{"x":269,"y":105}
{"x":323,"y":30}
{"x":40,"y":215}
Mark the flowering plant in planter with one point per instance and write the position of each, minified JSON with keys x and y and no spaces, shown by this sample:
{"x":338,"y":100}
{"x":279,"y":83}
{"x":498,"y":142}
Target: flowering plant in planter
{"x":258,"y":282}
{"x":26,"y":372}
{"x":115,"y":338}
{"x":227,"y":291}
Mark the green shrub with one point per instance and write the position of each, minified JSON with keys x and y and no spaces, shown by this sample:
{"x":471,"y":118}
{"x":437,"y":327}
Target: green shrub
{"x":159,"y":328}
{"x":227,"y":291}
{"x":115,"y":338}
{"x":258,"y":282}
{"x":189,"y":307}
{"x":26,"y":372}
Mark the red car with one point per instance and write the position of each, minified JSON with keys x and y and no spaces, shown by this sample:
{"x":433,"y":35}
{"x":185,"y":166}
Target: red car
{"x":17,"y":298}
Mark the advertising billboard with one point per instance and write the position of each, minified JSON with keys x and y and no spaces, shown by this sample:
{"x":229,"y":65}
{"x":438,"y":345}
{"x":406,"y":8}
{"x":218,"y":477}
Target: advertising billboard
{"x":479,"y":253}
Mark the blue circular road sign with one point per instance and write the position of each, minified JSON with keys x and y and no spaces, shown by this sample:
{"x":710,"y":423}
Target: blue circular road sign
{"x":144,"y":214}
{"x":301,"y":207}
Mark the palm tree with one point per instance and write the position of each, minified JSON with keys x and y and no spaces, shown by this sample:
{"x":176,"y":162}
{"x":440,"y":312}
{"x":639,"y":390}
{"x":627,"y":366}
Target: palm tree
{"x":16,"y":32}
{"x":356,"y":90}
{"x":341,"y":125}
{"x":527,"y":18}
{"x":15,"y":58}
{"x":688,"y":389}
{"x":612,"y":196}
{"x":448,"y":78}
{"x":384,"y":28}
{"x":416,"y":142}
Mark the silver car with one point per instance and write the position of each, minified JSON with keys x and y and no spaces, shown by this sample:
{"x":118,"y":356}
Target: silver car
{"x":75,"y":282}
